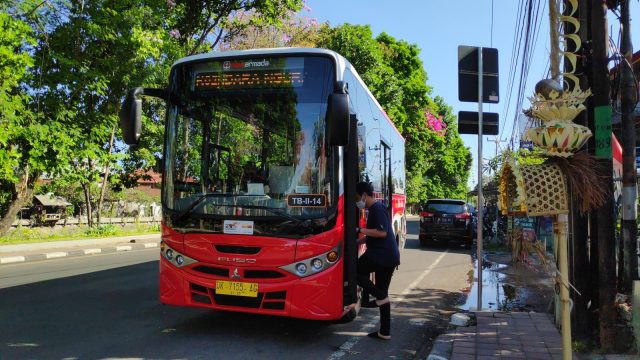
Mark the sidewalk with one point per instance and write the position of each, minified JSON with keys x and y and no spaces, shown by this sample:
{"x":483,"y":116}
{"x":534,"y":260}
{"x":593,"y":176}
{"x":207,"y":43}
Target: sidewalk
{"x":502,"y":335}
{"x":507,"y":335}
{"x":20,"y":253}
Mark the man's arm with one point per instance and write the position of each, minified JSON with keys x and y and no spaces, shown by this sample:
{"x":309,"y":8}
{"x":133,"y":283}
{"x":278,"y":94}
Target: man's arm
{"x":373,"y":232}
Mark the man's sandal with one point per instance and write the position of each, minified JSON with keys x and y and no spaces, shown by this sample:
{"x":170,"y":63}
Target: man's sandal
{"x":383,"y":301}
{"x":377,"y":335}
{"x":348,"y":308}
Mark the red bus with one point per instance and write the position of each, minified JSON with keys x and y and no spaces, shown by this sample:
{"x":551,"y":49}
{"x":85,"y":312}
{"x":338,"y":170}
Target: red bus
{"x":262,"y":152}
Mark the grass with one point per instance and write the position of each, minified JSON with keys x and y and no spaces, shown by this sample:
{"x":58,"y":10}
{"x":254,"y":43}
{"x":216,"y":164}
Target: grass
{"x":25,"y":235}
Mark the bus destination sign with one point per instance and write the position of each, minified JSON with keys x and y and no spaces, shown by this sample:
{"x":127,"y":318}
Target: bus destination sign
{"x":243,"y":74}
{"x":307,"y":200}
{"x":248,"y":79}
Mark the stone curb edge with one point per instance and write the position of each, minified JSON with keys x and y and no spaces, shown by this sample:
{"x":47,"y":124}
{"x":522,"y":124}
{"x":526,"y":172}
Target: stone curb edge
{"x":49,"y":255}
{"x":442,"y":348}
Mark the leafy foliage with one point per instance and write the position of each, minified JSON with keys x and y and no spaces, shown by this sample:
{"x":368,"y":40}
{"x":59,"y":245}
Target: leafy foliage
{"x":66,"y":65}
{"x":437,"y":161}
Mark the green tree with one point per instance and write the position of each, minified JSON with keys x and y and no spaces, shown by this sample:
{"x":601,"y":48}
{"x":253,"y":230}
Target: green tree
{"x":437,"y":161}
{"x":30,"y":144}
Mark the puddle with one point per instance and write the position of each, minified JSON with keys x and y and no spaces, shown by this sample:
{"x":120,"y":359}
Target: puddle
{"x":496,"y":294}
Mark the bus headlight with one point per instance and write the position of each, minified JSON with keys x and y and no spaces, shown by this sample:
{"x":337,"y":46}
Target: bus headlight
{"x":316,"y":263}
{"x":175,"y":257}
{"x":301,"y":268}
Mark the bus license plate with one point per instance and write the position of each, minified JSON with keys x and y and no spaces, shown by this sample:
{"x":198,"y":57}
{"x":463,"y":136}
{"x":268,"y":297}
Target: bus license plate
{"x":236,"y":288}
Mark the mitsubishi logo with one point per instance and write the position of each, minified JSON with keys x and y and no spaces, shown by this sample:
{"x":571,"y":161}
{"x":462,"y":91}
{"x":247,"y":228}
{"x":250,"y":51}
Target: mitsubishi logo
{"x":236,"y":274}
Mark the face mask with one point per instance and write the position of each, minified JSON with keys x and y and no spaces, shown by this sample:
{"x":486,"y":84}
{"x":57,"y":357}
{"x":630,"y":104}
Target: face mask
{"x":360,"y":204}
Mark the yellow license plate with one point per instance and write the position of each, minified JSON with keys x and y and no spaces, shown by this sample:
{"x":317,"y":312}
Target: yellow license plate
{"x":236,"y":288}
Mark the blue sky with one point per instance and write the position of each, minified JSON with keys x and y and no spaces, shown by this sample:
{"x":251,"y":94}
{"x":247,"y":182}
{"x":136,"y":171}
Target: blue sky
{"x":438,"y":27}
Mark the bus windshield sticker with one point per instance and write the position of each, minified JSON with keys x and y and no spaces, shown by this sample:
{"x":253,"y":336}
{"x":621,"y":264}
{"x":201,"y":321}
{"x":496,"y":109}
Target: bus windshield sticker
{"x":307,"y":200}
{"x":238,"y":227}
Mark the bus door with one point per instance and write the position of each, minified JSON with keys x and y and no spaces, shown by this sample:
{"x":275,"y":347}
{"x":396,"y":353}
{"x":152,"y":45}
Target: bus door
{"x":387,"y":191}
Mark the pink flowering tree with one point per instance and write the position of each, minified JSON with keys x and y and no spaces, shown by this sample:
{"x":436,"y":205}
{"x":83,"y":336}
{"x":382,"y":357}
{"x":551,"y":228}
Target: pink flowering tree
{"x":435,"y":124}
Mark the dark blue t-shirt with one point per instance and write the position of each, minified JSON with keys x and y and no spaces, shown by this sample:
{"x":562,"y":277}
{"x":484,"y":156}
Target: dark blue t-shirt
{"x":382,"y":251}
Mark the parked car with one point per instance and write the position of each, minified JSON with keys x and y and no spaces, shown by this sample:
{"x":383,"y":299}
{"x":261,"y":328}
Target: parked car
{"x":446,"y":221}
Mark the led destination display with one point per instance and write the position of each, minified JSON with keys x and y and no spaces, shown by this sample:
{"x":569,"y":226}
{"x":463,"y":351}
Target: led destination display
{"x":248,"y":79}
{"x":243,"y":74}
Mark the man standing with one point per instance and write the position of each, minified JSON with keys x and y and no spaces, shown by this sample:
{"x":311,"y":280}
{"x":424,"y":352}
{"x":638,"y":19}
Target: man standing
{"x":381,"y":257}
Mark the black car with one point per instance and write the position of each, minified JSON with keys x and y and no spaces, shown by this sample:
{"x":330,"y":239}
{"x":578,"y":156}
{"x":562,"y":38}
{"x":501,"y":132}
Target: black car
{"x":446,"y":220}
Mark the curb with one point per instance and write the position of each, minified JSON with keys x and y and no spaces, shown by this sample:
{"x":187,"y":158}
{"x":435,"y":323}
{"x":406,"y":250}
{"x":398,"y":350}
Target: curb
{"x":442,"y":347}
{"x":51,"y":255}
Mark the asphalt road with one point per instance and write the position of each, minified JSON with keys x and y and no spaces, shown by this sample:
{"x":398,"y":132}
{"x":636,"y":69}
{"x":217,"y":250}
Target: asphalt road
{"x":106,"y":306}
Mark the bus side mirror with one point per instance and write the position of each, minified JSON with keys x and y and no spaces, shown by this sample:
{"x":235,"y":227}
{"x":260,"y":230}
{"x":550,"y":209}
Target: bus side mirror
{"x":130,"y":115}
{"x":338,"y":116}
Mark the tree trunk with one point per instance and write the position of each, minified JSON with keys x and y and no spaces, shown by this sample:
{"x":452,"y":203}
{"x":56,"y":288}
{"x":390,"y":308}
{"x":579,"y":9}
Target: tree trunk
{"x":87,"y":197}
{"x":107,"y":167}
{"x":24,"y":193}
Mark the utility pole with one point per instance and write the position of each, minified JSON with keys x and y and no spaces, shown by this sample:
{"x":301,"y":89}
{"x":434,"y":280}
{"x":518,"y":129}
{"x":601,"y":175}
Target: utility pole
{"x":605,"y":230}
{"x":579,"y":274}
{"x":496,"y":141}
{"x":629,"y":186}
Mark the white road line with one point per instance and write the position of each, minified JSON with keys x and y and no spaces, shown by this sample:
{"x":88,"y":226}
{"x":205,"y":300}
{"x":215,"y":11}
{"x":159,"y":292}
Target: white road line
{"x":92,"y":251}
{"x":346,"y":347}
{"x":12,"y":259}
{"x":123,"y":248}
{"x":150,"y":245}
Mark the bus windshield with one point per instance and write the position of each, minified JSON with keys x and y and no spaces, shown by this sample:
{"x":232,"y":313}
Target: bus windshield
{"x":244,"y":136}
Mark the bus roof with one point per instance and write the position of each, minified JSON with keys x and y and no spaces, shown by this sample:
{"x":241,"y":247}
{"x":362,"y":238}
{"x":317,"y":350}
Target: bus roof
{"x":339,"y":59}
{"x":261,"y":52}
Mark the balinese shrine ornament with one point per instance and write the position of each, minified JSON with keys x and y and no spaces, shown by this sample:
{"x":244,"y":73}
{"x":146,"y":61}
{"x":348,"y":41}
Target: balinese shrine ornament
{"x":558,"y":135}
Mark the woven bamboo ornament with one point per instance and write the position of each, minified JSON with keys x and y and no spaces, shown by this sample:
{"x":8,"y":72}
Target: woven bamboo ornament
{"x":534,"y":190}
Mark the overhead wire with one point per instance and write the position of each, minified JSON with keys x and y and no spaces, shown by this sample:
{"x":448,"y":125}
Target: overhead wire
{"x":515,"y":54}
{"x":533,"y":21}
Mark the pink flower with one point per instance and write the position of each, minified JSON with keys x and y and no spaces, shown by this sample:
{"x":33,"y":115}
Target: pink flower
{"x":305,"y":6}
{"x":435,"y":124}
{"x":171,"y":3}
{"x":175,"y":33}
{"x":286,"y":38}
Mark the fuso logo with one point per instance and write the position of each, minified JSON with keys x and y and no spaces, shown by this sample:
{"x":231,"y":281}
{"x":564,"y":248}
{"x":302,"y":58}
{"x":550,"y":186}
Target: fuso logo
{"x":237,"y":260}
{"x":226,"y":65}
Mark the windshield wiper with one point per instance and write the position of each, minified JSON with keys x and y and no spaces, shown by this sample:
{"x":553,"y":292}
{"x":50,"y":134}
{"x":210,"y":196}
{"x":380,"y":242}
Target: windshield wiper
{"x":197,"y":202}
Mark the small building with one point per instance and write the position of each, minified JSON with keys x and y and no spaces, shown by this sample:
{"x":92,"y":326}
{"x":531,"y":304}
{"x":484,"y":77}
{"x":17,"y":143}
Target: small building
{"x":49,"y":208}
{"x":149,"y":182}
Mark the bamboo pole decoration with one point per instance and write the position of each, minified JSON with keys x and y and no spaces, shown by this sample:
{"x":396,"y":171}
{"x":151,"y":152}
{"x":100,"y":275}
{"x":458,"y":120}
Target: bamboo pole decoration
{"x":554,"y":21}
{"x":563,"y":225}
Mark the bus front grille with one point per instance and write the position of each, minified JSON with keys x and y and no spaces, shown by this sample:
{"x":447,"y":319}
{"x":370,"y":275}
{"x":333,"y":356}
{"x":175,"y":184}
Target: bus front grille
{"x":235,"y":249}
{"x":273,"y":300}
{"x":210,"y":270}
{"x":263,"y":274}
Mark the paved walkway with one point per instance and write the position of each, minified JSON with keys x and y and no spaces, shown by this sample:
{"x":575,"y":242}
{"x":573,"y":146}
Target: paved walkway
{"x":499,"y":335}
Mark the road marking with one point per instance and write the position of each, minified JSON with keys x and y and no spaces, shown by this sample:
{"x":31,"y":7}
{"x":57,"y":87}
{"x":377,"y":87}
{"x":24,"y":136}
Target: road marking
{"x":150,"y":245}
{"x":345,"y":348}
{"x":92,"y":251}
{"x":54,"y":255}
{"x":123,"y":248}
{"x":12,"y":259}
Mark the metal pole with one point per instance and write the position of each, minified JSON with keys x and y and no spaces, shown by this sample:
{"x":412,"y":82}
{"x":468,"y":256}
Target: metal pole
{"x":480,"y":199}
